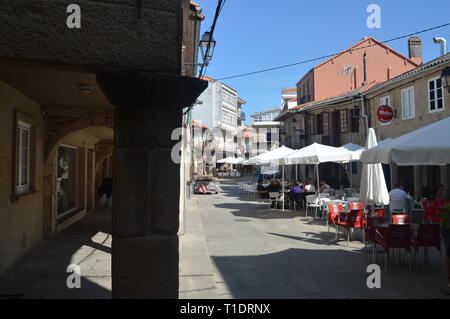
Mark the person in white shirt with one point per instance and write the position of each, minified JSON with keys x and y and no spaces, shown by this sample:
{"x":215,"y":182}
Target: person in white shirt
{"x":398,"y":193}
{"x":309,"y":188}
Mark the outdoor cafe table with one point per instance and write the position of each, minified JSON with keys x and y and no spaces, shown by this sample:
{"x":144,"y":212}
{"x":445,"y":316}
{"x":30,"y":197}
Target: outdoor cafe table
{"x":414,"y":227}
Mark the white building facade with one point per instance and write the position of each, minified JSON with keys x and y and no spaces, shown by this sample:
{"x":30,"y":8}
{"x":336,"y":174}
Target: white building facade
{"x":219,"y":108}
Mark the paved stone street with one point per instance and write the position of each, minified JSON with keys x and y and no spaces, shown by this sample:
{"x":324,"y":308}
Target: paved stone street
{"x":236,"y":248}
{"x":43,"y":273}
{"x":233,"y":247}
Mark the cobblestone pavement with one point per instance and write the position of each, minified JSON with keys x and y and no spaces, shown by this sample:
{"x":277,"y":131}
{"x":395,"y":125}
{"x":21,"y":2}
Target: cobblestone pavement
{"x":42,"y":274}
{"x":234,"y":247}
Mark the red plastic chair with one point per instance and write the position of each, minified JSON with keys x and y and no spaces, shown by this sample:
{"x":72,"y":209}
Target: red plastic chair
{"x":396,"y":236}
{"x":334,"y":210}
{"x":400,"y":219}
{"x":379,"y":212}
{"x":359,"y":222}
{"x":351,"y":220}
{"x":359,"y":208}
{"x":429,"y":209}
{"x":428,"y":236}
{"x":370,"y":229}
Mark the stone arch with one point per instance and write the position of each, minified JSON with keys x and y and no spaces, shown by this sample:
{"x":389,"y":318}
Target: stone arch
{"x":57,"y":128}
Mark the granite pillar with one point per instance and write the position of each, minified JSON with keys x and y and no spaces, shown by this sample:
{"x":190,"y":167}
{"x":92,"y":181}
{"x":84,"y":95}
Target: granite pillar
{"x":145,"y":210}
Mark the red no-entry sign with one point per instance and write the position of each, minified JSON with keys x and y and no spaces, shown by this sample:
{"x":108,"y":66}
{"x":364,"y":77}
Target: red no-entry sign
{"x":385,"y":113}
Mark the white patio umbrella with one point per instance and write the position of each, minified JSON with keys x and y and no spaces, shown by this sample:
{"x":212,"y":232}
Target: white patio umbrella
{"x":274,"y":157}
{"x":231,"y":160}
{"x":356,"y":152}
{"x":429,"y":145}
{"x":373,"y":189}
{"x":355,"y":149}
{"x":315,"y":154}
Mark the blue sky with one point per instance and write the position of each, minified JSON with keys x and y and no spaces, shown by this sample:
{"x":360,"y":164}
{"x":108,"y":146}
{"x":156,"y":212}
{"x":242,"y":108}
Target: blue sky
{"x":259,"y":34}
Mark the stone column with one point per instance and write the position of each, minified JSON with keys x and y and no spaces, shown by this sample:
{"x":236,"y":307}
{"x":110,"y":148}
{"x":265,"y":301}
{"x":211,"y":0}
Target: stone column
{"x":145,"y":212}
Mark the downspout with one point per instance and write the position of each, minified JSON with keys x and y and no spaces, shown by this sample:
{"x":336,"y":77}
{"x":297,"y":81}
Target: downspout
{"x":364,"y":114}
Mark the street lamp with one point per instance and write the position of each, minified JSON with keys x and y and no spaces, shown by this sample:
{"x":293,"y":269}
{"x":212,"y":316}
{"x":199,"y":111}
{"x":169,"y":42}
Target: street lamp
{"x":445,"y":78}
{"x":207,"y":45}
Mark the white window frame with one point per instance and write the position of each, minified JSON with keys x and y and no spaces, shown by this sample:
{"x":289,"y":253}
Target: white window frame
{"x":412,"y":108}
{"x":435,"y":95}
{"x":382,"y":102}
{"x":23,"y":188}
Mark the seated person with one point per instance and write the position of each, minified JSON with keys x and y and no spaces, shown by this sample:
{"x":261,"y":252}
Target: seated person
{"x":296,"y":188}
{"x":398,"y":193}
{"x":263,"y":193}
{"x":440,"y":195}
{"x":309,"y":188}
{"x":324,"y":187}
{"x":274,"y":187}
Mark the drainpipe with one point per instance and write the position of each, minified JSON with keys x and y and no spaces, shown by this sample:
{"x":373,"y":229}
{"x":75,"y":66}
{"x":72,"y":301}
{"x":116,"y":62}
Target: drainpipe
{"x":364,"y":114}
{"x":443,"y":43}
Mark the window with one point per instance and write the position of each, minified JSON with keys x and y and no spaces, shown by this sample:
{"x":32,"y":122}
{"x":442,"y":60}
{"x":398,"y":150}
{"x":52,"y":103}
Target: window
{"x":66,"y":187}
{"x":319,"y":123}
{"x":310,"y":124}
{"x":408,"y":106}
{"x":343,"y":117}
{"x":229,"y":98}
{"x":355,"y":119}
{"x":325,"y":124}
{"x":385,"y":101}
{"x":435,"y":95}
{"x":301,"y":125}
{"x":23,"y":157}
{"x":308,"y":91}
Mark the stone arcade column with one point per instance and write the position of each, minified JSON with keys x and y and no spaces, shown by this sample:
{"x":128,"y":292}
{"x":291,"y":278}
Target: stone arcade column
{"x":146,"y":181}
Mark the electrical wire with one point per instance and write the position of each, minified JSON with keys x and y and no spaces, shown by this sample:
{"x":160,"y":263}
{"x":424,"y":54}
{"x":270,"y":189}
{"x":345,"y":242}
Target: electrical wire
{"x":219,"y":8}
{"x":331,"y":55}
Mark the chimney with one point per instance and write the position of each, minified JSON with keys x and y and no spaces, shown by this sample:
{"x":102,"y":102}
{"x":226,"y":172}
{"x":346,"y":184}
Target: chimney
{"x":415,"y":49}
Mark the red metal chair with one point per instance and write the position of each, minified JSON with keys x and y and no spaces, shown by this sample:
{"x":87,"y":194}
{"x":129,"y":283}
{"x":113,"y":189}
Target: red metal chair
{"x":400,"y":219}
{"x":396,"y":236}
{"x":429,"y":209}
{"x":428,"y":236}
{"x":334,"y":210}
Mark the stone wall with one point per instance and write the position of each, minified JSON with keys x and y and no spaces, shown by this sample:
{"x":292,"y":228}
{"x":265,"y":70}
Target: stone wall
{"x":149,"y":33}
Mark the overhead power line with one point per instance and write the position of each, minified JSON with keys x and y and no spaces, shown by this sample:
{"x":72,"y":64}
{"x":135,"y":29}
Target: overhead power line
{"x":219,"y":8}
{"x":331,"y":55}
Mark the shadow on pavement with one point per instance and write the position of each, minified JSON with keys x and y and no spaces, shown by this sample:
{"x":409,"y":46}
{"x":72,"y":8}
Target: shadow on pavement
{"x":258,"y":211}
{"x":310,"y":274}
{"x":43,"y":272}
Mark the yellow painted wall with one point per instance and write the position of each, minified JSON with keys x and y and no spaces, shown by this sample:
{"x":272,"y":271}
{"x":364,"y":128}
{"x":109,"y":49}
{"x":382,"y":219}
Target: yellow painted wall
{"x":21,"y":221}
